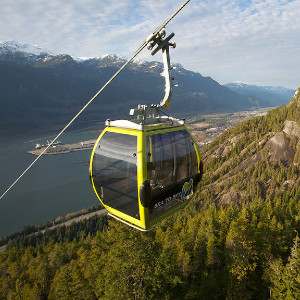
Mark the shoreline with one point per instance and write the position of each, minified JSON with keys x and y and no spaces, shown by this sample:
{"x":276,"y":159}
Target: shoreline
{"x":65,"y":148}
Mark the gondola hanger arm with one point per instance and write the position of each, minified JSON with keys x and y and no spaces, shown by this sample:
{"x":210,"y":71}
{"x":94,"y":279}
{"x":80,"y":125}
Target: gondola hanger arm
{"x":164,"y":45}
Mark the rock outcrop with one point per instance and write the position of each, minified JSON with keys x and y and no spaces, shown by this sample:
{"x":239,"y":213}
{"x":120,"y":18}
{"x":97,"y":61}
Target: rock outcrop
{"x":279,"y":149}
{"x":291,"y":128}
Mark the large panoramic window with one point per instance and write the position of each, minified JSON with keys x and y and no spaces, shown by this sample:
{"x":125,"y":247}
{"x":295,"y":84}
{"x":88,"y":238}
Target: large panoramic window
{"x":162,"y":171}
{"x":172,"y":161}
{"x":171,"y":158}
{"x":115,"y":172}
{"x":186,"y":159}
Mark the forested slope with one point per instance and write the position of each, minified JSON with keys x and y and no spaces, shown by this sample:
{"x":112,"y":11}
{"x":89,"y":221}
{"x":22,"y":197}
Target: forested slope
{"x":237,"y":239}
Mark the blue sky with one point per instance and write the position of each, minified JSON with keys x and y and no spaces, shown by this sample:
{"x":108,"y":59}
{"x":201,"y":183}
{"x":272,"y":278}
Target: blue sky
{"x":249,"y":41}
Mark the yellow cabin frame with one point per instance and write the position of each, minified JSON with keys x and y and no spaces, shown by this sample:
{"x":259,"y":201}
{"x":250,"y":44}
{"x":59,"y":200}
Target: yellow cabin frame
{"x":144,"y":223}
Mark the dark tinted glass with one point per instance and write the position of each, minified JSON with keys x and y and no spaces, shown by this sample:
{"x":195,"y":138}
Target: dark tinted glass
{"x":193,"y":169}
{"x":186,"y":159}
{"x":172,"y":161}
{"x":182,"y":153}
{"x":115,"y":172}
{"x":162,"y":173}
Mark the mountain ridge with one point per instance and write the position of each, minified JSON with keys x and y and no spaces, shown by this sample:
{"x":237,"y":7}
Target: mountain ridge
{"x":43,"y":89}
{"x":263,"y":94}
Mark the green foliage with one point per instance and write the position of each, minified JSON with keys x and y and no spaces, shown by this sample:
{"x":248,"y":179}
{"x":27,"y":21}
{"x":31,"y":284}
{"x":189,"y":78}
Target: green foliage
{"x":285,"y":279}
{"x":34,"y":236}
{"x":208,"y":253}
{"x":70,"y":284}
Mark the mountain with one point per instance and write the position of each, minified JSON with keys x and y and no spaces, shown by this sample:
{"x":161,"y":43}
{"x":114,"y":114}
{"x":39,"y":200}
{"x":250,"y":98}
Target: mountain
{"x":262,"y":95}
{"x":41,"y":90}
{"x":237,"y":239}
{"x":14,"y":47}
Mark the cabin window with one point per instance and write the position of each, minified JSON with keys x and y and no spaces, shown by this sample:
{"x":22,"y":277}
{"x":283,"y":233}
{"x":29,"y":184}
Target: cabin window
{"x":162,"y":170}
{"x":171,"y":158}
{"x":115,"y":172}
{"x":171,"y":161}
{"x":186,"y":158}
{"x":182,"y":154}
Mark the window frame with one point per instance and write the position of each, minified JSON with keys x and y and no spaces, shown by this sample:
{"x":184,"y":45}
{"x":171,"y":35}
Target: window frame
{"x":137,"y":223}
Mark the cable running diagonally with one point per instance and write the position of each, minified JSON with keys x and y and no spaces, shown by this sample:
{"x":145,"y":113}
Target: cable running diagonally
{"x":143,"y":45}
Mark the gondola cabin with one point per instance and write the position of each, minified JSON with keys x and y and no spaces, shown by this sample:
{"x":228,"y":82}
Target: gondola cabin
{"x":141,"y":173}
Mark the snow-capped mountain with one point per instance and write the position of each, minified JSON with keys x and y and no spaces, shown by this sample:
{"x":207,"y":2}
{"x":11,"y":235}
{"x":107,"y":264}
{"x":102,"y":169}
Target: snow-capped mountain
{"x":33,"y":54}
{"x":24,"y":53}
{"x":239,"y":84}
{"x":13,"y":47}
{"x":265,"y":95}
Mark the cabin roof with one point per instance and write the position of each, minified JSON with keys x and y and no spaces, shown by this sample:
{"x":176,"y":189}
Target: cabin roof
{"x":148,"y":124}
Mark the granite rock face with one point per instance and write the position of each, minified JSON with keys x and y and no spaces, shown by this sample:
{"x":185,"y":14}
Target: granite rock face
{"x":291,"y":128}
{"x":280,"y":149}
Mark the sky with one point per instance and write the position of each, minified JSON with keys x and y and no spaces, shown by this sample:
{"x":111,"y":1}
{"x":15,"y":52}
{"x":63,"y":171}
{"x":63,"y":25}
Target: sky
{"x":256,"y":42}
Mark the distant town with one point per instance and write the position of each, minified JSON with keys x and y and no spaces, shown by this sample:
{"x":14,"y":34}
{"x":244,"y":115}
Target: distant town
{"x":205,"y":128}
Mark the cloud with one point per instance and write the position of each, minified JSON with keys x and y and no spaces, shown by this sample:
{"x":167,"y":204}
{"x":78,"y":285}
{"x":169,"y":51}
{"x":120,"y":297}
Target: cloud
{"x":252,"y":41}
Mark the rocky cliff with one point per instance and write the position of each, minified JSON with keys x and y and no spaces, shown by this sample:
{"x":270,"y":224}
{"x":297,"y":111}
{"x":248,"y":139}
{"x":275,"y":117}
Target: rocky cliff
{"x":258,"y":158}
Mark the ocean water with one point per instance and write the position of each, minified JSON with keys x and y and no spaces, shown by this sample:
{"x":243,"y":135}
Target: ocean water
{"x":58,"y":184}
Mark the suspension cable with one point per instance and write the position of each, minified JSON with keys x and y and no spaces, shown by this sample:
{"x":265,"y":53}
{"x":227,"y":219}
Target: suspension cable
{"x":136,"y":53}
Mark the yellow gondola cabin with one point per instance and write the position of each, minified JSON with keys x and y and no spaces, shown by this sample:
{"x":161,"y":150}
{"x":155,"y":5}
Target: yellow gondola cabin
{"x":145,"y":168}
{"x":143,"y":172}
